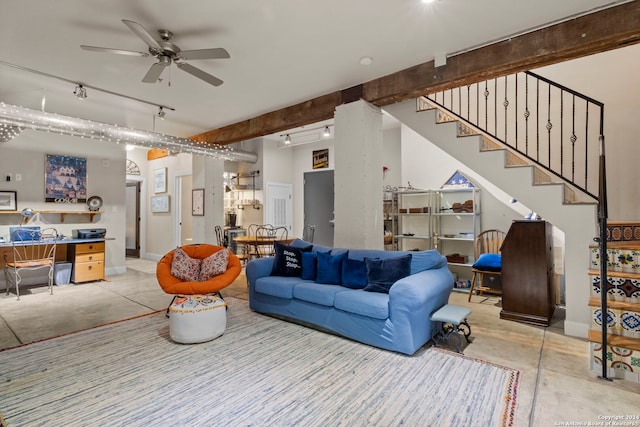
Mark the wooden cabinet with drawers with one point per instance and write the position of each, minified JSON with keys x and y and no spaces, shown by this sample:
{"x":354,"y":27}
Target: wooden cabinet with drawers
{"x":87,"y":260}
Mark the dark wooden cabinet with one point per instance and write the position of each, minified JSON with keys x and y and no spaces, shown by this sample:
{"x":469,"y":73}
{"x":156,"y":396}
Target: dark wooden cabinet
{"x":528,"y":291}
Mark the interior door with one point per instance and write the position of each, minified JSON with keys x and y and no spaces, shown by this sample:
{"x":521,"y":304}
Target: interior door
{"x":278,"y":205}
{"x":184,"y":220}
{"x":318,"y":205}
{"x":132,"y":207}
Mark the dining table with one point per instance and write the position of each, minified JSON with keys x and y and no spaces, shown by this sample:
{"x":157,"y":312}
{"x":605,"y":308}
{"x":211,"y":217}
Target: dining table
{"x":256,"y":246}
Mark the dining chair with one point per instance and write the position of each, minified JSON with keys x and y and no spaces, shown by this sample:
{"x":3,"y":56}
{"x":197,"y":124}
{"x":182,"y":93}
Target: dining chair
{"x":488,"y":260}
{"x":219,"y":235}
{"x":32,"y":249}
{"x":307,"y":233}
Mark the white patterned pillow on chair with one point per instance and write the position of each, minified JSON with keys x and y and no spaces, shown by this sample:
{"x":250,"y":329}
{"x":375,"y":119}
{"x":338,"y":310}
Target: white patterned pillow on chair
{"x":184,"y":267}
{"x":214,"y":265}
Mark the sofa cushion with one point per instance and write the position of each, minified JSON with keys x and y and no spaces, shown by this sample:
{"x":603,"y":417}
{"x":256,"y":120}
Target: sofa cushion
{"x":383,"y":273}
{"x":214,"y":265}
{"x":184,"y":267}
{"x":277,"y":286}
{"x":330,"y":267}
{"x":354,"y":273}
{"x":288,"y":260}
{"x":309,"y":266}
{"x":488,"y":262}
{"x":367,"y":304}
{"x":317,"y":293}
{"x":426,"y":260}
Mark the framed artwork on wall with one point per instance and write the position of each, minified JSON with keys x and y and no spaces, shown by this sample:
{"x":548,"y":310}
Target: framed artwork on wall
{"x":160,"y":204}
{"x":8,"y":201}
{"x":65,"y":179}
{"x":197,"y":202}
{"x":160,"y":180}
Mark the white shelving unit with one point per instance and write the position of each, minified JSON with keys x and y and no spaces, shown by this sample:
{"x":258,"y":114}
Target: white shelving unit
{"x":456,"y":223}
{"x":446,"y":219}
{"x":410,"y":220}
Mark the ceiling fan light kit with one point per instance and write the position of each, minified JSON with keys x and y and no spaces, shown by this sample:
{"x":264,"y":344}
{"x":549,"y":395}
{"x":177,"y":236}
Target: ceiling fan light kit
{"x":166,"y":53}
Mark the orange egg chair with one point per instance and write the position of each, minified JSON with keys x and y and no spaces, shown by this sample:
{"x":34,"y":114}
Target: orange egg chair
{"x":175,"y":286}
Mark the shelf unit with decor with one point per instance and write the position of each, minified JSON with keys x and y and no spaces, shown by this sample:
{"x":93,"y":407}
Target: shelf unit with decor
{"x":456,"y":223}
{"x":623,"y":306}
{"x":410,"y":219}
{"x":62,"y":214}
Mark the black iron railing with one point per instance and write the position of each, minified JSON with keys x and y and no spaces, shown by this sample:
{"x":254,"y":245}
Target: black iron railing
{"x":553,"y":126}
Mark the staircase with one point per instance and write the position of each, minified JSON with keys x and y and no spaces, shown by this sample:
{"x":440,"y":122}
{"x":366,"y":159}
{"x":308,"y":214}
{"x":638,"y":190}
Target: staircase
{"x":571,"y":211}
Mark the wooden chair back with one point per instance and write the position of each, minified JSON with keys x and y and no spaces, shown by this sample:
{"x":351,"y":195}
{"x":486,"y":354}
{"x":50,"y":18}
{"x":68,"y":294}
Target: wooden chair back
{"x":489,"y":242}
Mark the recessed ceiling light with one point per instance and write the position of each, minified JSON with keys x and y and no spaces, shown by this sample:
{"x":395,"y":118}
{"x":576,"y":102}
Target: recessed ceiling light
{"x":428,"y":1}
{"x":366,"y":60}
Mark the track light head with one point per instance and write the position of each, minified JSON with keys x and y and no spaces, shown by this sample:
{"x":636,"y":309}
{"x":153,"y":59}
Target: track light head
{"x":161,"y":113}
{"x":287,"y":139}
{"x":327,"y":132}
{"x":80,"y":92}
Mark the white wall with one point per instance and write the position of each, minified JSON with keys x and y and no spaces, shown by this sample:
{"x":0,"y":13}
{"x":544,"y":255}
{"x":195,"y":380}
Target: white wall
{"x":612,"y":78}
{"x":105,"y":178}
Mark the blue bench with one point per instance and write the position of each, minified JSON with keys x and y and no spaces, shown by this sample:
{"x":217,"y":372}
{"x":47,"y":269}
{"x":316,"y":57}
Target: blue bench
{"x":451,"y":318}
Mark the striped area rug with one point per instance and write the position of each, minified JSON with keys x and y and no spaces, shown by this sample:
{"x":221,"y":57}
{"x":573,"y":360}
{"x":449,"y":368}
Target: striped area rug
{"x":261,"y":372}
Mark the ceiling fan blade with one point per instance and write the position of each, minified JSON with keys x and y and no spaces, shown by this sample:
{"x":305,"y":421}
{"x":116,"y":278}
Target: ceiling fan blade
{"x":215,"y":53}
{"x":199,"y":73}
{"x":154,"y":72}
{"x":109,"y":50}
{"x":141,"y":32}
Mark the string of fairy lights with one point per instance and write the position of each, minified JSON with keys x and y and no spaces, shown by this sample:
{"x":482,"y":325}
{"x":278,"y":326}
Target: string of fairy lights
{"x":15,"y":119}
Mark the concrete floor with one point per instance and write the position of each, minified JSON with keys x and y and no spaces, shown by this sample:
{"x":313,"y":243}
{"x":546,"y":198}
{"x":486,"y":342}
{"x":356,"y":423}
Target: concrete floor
{"x":556,"y":385}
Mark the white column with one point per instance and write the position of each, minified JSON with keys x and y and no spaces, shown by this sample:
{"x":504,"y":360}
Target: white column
{"x":207,"y":173}
{"x":358,"y":176}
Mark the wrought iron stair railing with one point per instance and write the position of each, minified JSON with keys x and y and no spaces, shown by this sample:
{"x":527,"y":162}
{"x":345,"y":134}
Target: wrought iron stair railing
{"x":553,"y":126}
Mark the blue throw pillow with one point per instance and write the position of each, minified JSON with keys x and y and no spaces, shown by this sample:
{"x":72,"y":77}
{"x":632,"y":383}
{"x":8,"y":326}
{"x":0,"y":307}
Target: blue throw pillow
{"x":288,"y":260}
{"x":309,"y":266}
{"x":330,"y":268}
{"x":383,"y":273}
{"x":354,"y":273}
{"x":488,"y":262}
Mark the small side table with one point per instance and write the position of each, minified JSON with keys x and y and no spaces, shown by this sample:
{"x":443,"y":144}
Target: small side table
{"x":453,"y":317}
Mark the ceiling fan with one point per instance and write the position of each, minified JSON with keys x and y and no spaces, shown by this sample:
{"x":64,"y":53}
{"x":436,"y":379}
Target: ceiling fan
{"x":166,"y":53}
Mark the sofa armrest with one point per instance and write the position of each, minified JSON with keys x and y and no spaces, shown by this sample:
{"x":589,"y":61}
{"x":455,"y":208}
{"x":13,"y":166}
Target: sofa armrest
{"x":257,"y":268}
{"x":421,"y":293}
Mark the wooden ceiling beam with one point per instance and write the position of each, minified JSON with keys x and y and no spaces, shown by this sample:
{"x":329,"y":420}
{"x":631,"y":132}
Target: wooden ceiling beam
{"x":597,"y":32}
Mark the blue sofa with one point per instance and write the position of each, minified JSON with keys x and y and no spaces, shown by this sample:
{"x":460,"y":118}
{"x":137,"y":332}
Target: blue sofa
{"x":398,"y":320}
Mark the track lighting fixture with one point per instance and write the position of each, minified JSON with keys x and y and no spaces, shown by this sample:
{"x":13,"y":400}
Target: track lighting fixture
{"x":327,"y":132}
{"x":287,"y":139}
{"x":80,"y":92}
{"x":161,"y":113}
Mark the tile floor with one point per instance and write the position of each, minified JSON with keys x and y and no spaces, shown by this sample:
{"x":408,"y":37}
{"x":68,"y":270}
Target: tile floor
{"x":556,"y":385}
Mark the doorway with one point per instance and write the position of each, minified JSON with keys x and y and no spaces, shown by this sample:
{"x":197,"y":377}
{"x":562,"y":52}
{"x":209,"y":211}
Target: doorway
{"x":132,"y":215}
{"x":184,"y":220}
{"x":278,"y":205}
{"x":318,"y":205}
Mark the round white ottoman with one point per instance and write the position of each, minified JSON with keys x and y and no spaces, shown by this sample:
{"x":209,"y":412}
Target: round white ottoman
{"x":197,"y":318}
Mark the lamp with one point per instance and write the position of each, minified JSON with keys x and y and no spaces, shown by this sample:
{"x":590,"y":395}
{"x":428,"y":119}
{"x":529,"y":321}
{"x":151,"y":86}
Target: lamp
{"x":287,"y":139}
{"x":80,"y":92}
{"x":327,"y":132}
{"x":26,"y":213}
{"x":161,"y":113}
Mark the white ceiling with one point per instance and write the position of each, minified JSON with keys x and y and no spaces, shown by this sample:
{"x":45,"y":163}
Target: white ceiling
{"x":282,"y":51}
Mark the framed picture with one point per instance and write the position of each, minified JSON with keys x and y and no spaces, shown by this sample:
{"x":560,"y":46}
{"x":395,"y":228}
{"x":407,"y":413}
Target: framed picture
{"x":160,"y":203}
{"x":321,"y":158}
{"x":160,"y":180}
{"x":65,"y":179}
{"x":8,"y":201}
{"x":197,"y":202}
